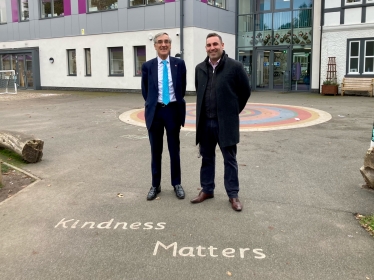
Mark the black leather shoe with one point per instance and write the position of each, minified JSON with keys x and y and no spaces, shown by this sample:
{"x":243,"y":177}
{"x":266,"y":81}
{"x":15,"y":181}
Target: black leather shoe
{"x":179,"y":192}
{"x":152,"y":194}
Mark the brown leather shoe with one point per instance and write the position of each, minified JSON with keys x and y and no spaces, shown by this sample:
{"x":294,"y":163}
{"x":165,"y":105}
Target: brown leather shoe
{"x":235,"y":204}
{"x":201,"y":197}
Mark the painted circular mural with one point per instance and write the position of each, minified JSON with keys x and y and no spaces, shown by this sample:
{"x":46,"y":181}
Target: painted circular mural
{"x":254,"y":117}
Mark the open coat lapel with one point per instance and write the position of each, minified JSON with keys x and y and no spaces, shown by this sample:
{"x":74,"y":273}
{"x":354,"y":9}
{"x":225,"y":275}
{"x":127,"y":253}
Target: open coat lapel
{"x":154,"y":73}
{"x":174,"y":70}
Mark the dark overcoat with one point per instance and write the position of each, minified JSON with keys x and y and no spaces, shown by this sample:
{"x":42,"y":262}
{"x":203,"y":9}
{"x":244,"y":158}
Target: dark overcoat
{"x":150,"y":87}
{"x":232,"y":92}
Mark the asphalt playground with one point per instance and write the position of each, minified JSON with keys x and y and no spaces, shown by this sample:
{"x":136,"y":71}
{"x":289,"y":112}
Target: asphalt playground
{"x":88,"y":218}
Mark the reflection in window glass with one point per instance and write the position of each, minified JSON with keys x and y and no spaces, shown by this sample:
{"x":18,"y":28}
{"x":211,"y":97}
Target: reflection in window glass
{"x":354,"y":57}
{"x":369,"y":57}
{"x":353,"y":1}
{"x":281,"y":4}
{"x":72,"y":63}
{"x":2,"y":11}
{"x":6,"y":62}
{"x":87,"y":58}
{"x":116,"y":61}
{"x":245,"y":7}
{"x":302,"y":4}
{"x":217,"y":3}
{"x":263,"y":5}
{"x":24,"y":9}
{"x":302,"y":27}
{"x":52,"y":8}
{"x":282,"y":28}
{"x":245,"y":31}
{"x":139,"y":59}
{"x":134,"y":3}
{"x":263,"y":25}
{"x":101,"y":5}
{"x":245,"y":57}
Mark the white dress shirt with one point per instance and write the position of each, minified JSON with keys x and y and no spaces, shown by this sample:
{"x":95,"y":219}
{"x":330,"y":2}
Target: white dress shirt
{"x":160,"y":76}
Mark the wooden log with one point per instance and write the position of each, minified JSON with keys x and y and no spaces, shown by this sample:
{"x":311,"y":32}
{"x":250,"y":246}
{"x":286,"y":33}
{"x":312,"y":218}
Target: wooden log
{"x":27,"y":146}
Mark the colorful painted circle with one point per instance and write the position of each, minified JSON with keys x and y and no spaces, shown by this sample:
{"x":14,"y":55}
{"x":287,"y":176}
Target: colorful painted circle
{"x":254,"y":117}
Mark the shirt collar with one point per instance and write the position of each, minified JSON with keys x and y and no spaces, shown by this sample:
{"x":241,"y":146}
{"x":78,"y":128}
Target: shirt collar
{"x":214,"y":65}
{"x":159,"y":60}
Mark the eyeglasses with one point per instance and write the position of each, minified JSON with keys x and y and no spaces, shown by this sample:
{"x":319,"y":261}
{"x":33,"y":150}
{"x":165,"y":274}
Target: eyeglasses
{"x":163,"y":41}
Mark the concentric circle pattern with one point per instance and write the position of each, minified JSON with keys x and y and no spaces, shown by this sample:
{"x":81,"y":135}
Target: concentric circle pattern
{"x":254,"y":117}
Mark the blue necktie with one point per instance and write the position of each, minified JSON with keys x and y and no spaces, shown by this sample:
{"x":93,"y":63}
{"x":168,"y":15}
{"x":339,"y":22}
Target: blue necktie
{"x":165,"y":84}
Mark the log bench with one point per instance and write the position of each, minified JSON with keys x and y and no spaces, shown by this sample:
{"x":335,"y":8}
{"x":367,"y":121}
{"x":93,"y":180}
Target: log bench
{"x":357,"y":84}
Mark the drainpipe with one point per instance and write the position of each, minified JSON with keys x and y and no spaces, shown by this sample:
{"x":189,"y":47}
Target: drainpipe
{"x":320,"y":44}
{"x":181,"y":28}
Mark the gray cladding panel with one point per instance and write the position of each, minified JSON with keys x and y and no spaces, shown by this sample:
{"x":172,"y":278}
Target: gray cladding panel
{"x":122,"y":19}
{"x":122,"y":4}
{"x":155,"y":17}
{"x":68,"y":26}
{"x":170,"y":15}
{"x":3,"y":33}
{"x":45,"y":28}
{"x":24,"y":31}
{"x":74,"y":7}
{"x":10,"y":27}
{"x":33,"y":10}
{"x":110,"y":21}
{"x":32,"y":29}
{"x":226,"y":22}
{"x":35,"y":24}
{"x":202,"y":14}
{"x":94,"y":23}
{"x":231,"y":5}
{"x":189,"y":12}
{"x":75,"y":28}
{"x":213,"y":18}
{"x":58,"y":27}
{"x":82,"y":23}
{"x":15,"y":31}
{"x":135,"y":19}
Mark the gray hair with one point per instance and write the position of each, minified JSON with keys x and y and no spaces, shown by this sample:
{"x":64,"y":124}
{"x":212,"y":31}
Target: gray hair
{"x":160,"y":34}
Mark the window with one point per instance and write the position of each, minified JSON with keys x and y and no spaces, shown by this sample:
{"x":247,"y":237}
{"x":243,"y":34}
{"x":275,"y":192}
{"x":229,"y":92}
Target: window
{"x":352,"y":1}
{"x":24,"y":9}
{"x":72,"y":63}
{"x":218,"y":3}
{"x":369,"y":57}
{"x":116,"y":61}
{"x":134,"y":3}
{"x":2,"y":11}
{"x":360,"y":56}
{"x":101,"y":5}
{"x":139,"y":53}
{"x":51,"y":8}
{"x":87,"y":58}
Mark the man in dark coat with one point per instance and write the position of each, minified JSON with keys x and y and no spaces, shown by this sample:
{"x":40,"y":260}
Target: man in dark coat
{"x":163,"y":89}
{"x":222,"y":89}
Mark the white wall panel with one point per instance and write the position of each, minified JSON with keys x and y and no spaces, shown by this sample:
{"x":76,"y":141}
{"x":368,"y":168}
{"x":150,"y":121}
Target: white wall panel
{"x":332,"y":19}
{"x":369,"y":14}
{"x":331,"y":3}
{"x":352,"y":16}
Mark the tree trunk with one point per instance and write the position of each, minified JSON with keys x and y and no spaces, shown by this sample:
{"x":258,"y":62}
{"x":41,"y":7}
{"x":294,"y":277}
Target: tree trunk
{"x":27,"y":146}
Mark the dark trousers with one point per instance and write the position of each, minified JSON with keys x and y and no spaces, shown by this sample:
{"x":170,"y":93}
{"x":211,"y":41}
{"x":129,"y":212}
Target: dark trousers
{"x":208,"y":143}
{"x":165,"y":118}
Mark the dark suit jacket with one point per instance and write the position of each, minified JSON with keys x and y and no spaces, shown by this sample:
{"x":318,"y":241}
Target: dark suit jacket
{"x":150,"y":87}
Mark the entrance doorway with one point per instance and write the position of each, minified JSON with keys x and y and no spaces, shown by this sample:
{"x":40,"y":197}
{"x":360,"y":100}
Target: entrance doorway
{"x":272,"y":69}
{"x":23,"y":68}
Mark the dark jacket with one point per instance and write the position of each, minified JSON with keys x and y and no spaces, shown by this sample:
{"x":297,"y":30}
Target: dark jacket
{"x":150,"y":87}
{"x":232,"y":92}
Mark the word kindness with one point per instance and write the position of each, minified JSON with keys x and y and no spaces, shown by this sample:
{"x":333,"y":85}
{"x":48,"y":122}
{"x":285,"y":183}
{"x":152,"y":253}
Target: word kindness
{"x":109,"y":225}
{"x":207,"y":251}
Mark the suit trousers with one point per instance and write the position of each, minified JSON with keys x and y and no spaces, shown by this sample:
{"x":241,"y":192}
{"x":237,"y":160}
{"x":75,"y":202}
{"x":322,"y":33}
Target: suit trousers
{"x":165,"y":118}
{"x":208,"y":143}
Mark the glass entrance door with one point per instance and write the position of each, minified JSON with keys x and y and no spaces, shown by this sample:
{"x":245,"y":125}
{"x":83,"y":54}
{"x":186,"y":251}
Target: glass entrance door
{"x":272,"y":69}
{"x":23,"y":68}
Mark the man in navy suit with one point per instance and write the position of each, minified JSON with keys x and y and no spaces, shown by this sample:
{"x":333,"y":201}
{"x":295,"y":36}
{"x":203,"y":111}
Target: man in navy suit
{"x":163,"y":89}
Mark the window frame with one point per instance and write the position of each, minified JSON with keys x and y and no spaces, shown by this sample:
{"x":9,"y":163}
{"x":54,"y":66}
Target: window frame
{"x":52,"y":10}
{"x":361,"y":58}
{"x":104,"y":10}
{"x":213,"y":3}
{"x":74,"y":58}
{"x":352,"y":57}
{"x":20,"y":11}
{"x":145,"y":3}
{"x":352,"y":3}
{"x":86,"y":62}
{"x":110,"y":64}
{"x":369,"y":56}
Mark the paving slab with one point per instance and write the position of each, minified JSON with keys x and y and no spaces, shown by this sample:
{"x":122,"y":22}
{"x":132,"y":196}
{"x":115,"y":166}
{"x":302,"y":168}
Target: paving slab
{"x":300,"y":188}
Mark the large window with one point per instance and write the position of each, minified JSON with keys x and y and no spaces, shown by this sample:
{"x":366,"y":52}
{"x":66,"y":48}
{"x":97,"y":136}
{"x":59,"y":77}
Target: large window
{"x":352,"y":1}
{"x":134,"y":3}
{"x":139,"y":59}
{"x":72,"y":63}
{"x":87,"y":58}
{"x":2,"y":11}
{"x":218,"y":3}
{"x":51,"y":8}
{"x":360,"y":56}
{"x":24,"y":9}
{"x":116,"y":61}
{"x":101,"y":5}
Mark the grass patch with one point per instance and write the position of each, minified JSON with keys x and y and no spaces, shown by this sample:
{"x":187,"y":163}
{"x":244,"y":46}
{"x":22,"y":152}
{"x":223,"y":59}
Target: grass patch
{"x":367,"y":222}
{"x":11,"y":157}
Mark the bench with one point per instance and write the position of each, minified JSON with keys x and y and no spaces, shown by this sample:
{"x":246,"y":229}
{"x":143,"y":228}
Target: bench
{"x":358,"y":84}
